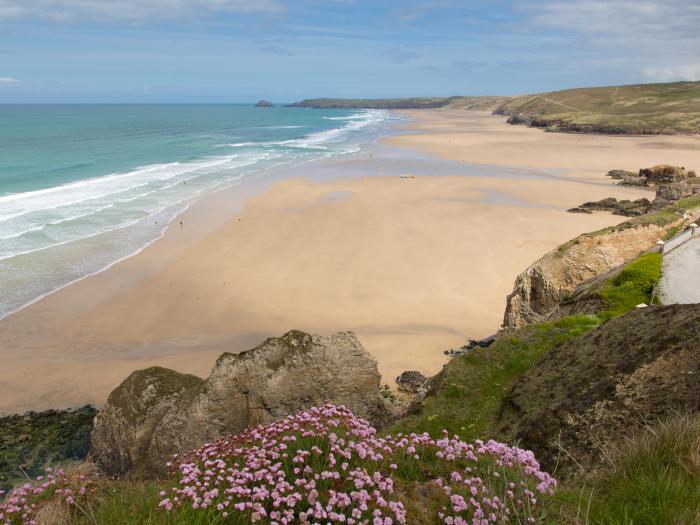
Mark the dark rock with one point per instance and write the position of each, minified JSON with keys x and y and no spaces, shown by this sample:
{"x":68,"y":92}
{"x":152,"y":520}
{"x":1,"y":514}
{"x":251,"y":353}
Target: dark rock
{"x":620,"y":174}
{"x":665,"y":174}
{"x":264,"y":104}
{"x":668,"y":193}
{"x":633,"y":180}
{"x":37,"y":440}
{"x":625,"y":208}
{"x":597,"y":388}
{"x":411,"y":381}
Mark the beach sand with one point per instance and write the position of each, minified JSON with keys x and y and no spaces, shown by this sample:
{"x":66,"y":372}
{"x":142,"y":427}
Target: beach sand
{"x":414,"y":266}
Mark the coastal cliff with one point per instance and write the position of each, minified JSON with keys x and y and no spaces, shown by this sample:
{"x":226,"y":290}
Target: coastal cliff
{"x":639,"y":109}
{"x":544,"y":286}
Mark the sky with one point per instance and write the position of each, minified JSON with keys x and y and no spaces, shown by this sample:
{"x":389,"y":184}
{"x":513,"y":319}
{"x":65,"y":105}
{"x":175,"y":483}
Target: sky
{"x":205,"y":51}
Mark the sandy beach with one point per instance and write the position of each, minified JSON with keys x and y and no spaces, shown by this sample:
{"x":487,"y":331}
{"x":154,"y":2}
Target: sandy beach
{"x":414,"y":266}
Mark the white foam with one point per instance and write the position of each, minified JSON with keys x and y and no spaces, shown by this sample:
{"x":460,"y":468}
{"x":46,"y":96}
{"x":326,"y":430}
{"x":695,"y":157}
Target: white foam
{"x":122,"y":206}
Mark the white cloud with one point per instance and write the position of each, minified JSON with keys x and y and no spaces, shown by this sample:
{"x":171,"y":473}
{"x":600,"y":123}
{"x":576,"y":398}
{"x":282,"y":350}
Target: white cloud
{"x":130,"y":10}
{"x":673,"y":73}
{"x":641,"y":20}
{"x":8,"y":80}
{"x":656,"y":39}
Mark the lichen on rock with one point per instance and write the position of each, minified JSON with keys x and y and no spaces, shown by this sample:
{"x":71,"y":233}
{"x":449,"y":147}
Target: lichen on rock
{"x":156,"y":413}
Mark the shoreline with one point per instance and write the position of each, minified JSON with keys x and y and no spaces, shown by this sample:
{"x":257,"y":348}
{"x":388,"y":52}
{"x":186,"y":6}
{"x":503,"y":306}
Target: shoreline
{"x":94,"y":332}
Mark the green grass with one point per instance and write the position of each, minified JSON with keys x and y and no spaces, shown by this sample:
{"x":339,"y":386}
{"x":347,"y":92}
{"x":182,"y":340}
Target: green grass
{"x":642,"y":108}
{"x":654,"y":478}
{"x":472,"y":387}
{"x":633,"y":285}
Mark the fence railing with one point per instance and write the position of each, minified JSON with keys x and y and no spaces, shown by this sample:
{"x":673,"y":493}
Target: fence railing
{"x":679,"y":239}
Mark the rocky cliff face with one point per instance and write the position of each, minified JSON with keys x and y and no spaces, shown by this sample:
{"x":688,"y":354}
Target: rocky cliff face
{"x":597,"y":388}
{"x":156,"y":413}
{"x":545,"y":284}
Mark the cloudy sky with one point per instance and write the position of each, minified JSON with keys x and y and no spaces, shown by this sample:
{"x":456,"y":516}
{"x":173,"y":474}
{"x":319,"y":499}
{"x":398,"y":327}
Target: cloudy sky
{"x":284,"y":50}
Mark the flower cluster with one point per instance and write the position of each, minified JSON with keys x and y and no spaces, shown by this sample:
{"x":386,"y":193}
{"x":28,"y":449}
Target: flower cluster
{"x":325,"y":465}
{"x":21,"y":504}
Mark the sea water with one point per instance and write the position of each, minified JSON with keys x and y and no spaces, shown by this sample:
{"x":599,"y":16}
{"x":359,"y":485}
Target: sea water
{"x":84,"y":186}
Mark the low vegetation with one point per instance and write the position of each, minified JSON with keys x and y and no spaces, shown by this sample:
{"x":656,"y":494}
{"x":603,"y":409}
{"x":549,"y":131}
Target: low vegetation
{"x":470,"y":390}
{"x":633,"y":286}
{"x":652,"y":478}
{"x":664,"y":108}
{"x":474,"y":103}
{"x":325,"y":465}
{"x":634,"y":109}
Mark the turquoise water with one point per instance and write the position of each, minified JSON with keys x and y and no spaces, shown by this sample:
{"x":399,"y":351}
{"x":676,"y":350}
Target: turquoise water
{"x":83,"y":186}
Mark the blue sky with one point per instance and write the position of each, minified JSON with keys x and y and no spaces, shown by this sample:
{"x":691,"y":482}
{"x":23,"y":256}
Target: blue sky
{"x":285,"y":50}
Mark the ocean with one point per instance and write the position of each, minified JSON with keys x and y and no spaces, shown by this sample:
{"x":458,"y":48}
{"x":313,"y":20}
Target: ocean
{"x":84,"y":186}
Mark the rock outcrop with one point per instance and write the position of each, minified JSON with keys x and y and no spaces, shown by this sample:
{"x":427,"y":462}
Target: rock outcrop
{"x":624,"y":207}
{"x":620,"y":174}
{"x":668,"y":193}
{"x":665,"y":174}
{"x":411,"y":381}
{"x":540,"y":289}
{"x":654,"y":176}
{"x":33,"y":441}
{"x":156,"y":413}
{"x":597,"y":388}
{"x":264,"y":104}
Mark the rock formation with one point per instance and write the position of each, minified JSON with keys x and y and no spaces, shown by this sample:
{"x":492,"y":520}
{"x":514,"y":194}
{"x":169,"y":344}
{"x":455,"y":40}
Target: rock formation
{"x":264,"y":104}
{"x":669,"y":193}
{"x":623,"y":207}
{"x":156,"y":412}
{"x":597,"y":388}
{"x":665,"y":174}
{"x":654,"y":176}
{"x":546,"y":283}
{"x":411,"y":381}
{"x":620,"y":174}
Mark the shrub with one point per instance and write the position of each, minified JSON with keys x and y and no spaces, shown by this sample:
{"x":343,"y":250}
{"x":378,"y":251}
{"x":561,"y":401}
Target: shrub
{"x":326,"y":465}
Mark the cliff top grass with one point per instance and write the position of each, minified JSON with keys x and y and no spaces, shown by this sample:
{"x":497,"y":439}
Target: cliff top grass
{"x":641,"y":108}
{"x":470,"y":391}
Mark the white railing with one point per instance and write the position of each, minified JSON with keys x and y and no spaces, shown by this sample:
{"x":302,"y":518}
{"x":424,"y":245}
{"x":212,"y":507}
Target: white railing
{"x":679,"y":239}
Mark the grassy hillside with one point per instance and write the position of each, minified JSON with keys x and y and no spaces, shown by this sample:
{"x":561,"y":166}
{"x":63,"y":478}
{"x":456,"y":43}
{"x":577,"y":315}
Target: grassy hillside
{"x":473,"y":103}
{"x":637,"y":109}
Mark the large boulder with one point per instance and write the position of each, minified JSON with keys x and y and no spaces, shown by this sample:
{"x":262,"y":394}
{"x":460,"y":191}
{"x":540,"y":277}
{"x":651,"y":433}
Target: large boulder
{"x":156,"y":413}
{"x":123,"y":431}
{"x":595,"y":389}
